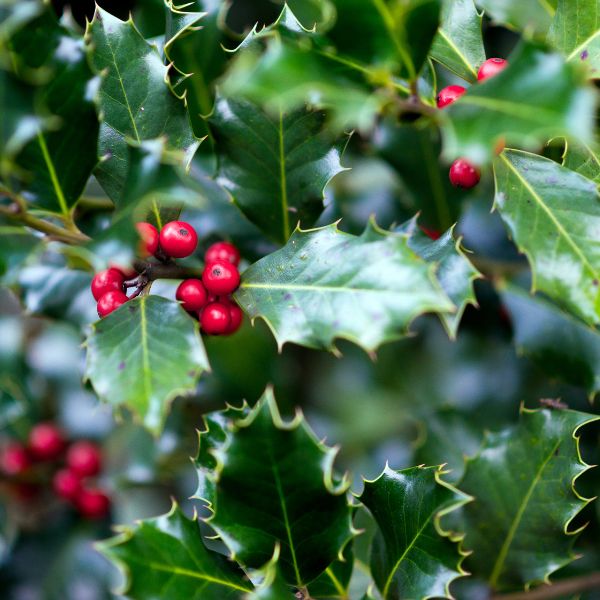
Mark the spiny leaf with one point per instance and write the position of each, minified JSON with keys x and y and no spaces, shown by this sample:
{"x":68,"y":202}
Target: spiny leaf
{"x":584,"y":159}
{"x":275,"y":168}
{"x":269,"y":482}
{"x":552,"y":214}
{"x":335,"y":581}
{"x":523,"y":480}
{"x":412,"y":556}
{"x":143,"y":355}
{"x":516,"y":14}
{"x":325,"y":284}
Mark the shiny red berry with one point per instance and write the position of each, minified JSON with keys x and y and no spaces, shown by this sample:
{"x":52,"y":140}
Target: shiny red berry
{"x":14,"y":459}
{"x":221,"y":278}
{"x":192,"y":294}
{"x":84,"y":459}
{"x":215,"y":318}
{"x":434,"y":234}
{"x":107,"y":281}
{"x":149,"y":242}
{"x":236,"y":316}
{"x":449,"y":94}
{"x":66,"y":484}
{"x":178,"y":239}
{"x":491,"y":67}
{"x":109,"y":302}
{"x":46,"y":441}
{"x":93,"y":503}
{"x":126,"y":271}
{"x":463,"y":174}
{"x":222,"y":251}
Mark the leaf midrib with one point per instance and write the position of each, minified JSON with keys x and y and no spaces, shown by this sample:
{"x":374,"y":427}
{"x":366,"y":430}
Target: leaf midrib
{"x":283,"y":181}
{"x":581,"y":46}
{"x":457,"y":51}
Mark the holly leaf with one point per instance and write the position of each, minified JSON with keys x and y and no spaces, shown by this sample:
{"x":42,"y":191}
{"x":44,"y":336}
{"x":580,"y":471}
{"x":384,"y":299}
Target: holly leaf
{"x":515,"y":14}
{"x":134,"y":98}
{"x":561,"y":345}
{"x":143,"y":355}
{"x":269,"y":482}
{"x":518,"y":470}
{"x":326,"y":284}
{"x":458,"y":45}
{"x":575,"y":31}
{"x":334,"y":582}
{"x":584,"y":159}
{"x":412,"y":556}
{"x":165,"y":557}
{"x":537,"y":97}
{"x":275,"y":168}
{"x":551,"y":213}
{"x":18,"y":244}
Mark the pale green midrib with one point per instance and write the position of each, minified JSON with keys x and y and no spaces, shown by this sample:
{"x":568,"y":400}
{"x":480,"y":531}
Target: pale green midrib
{"x":499,"y":564}
{"x":145,"y":355}
{"x":283,"y":182}
{"x":547,"y":7}
{"x":581,"y":46}
{"x":317,"y":288}
{"x":554,"y":220}
{"x":62,"y":201}
{"x":404,"y":554}
{"x":336,"y":583}
{"x":457,"y":50}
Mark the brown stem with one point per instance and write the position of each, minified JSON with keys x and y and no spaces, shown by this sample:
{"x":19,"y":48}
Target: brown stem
{"x":152,"y":271}
{"x":566,"y":587}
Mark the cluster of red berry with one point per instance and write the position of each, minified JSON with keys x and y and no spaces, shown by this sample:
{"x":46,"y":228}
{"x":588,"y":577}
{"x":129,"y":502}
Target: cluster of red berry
{"x":464,"y":174}
{"x":208,"y":299}
{"x":82,"y":461}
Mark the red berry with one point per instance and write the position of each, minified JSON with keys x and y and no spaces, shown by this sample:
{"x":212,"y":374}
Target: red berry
{"x":93,"y":503}
{"x":14,"y":459}
{"x":491,"y":67}
{"x":221,"y":278}
{"x":192,"y":295}
{"x":434,"y":234}
{"x":107,"y":281}
{"x":66,"y":484}
{"x":449,"y":94}
{"x":84,"y":459}
{"x":463,"y":174}
{"x":178,"y":239}
{"x":236,"y":316}
{"x":215,"y":318}
{"x":222,"y":251}
{"x":46,"y":441}
{"x":149,"y":243}
{"x":109,"y":302}
{"x":127,"y":272}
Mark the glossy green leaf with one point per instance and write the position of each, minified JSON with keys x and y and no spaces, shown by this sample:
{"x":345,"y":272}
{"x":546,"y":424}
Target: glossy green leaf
{"x":561,"y":345}
{"x":575,"y":31}
{"x":458,"y":45}
{"x":536,"y":98}
{"x":326,"y":284}
{"x":165,"y":557}
{"x":269,"y":482}
{"x":275,"y":168}
{"x":552,"y":214}
{"x":523,"y":480}
{"x":14,"y":15}
{"x":135,"y":99}
{"x":335,"y":581}
{"x":143,"y":355}
{"x":531,"y":16}
{"x":18,"y":244}
{"x":584,"y":159}
{"x":412,"y":555}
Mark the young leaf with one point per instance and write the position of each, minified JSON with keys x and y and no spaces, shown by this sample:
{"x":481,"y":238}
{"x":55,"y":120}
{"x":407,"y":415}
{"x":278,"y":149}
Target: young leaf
{"x":325,"y":284}
{"x":269,"y":482}
{"x":412,"y":556}
{"x":275,"y":168}
{"x":552,"y":214}
{"x":584,"y":159}
{"x":143,"y":355}
{"x":166,"y":558}
{"x":536,"y":98}
{"x":458,"y":45}
{"x":523,"y":480}
{"x":516,"y":14}
{"x":135,"y":100}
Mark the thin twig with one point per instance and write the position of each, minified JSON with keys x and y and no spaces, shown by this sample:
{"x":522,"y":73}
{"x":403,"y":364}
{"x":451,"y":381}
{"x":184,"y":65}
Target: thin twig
{"x":565,"y":587}
{"x":152,"y":271}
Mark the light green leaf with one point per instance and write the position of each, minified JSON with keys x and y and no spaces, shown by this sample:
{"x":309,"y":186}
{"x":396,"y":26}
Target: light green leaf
{"x":584,"y":159}
{"x":326,"y":284}
{"x":143,"y":355}
{"x":532,"y":15}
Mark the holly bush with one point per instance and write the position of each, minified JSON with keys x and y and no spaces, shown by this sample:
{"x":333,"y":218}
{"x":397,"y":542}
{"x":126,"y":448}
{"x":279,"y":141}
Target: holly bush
{"x":346,"y":255}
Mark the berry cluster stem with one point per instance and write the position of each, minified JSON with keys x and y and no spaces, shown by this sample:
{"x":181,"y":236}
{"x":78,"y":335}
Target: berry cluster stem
{"x":151,"y":271}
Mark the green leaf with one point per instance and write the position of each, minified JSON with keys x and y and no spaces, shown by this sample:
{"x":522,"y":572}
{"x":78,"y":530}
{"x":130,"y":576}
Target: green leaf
{"x":412,"y":556}
{"x":18,"y":244}
{"x":135,"y":100}
{"x":326,"y":284}
{"x":536,"y":98}
{"x":561,"y":345}
{"x":166,"y":558}
{"x":143,"y":355}
{"x":533,"y":16}
{"x":552,"y":213}
{"x":458,"y":45}
{"x":575,"y":31}
{"x":584,"y":159}
{"x":334,"y":582}
{"x":523,"y":479}
{"x":14,"y":15}
{"x":270,"y":482}
{"x":275,"y":168}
